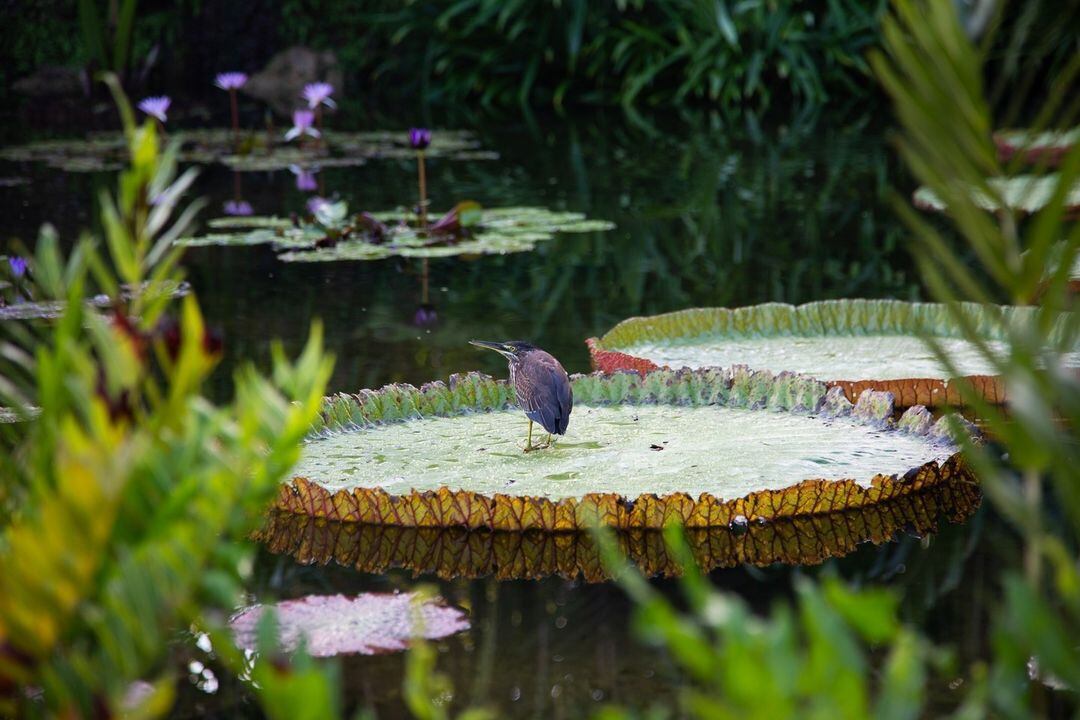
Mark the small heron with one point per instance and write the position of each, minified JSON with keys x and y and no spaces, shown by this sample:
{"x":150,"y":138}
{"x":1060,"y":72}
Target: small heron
{"x":542,"y":386}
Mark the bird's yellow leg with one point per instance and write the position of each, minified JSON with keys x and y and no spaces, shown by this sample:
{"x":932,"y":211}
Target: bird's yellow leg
{"x":528,"y":439}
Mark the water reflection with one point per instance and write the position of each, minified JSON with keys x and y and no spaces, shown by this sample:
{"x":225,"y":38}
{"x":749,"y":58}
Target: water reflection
{"x":460,"y":553}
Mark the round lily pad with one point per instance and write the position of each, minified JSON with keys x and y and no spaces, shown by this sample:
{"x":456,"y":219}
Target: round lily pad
{"x":257,"y":150}
{"x":1023,"y":193}
{"x":459,"y":552}
{"x":367,"y":624}
{"x":334,"y":236}
{"x":852,"y":344}
{"x":699,"y":447}
{"x":1046,"y":147}
{"x":50,"y":309}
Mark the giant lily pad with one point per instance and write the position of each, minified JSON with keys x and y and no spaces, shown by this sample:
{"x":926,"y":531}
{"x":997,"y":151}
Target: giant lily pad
{"x":1047,"y":147}
{"x":332,"y":234}
{"x":368,"y":624}
{"x":1023,"y":193}
{"x":459,"y":552}
{"x":699,"y":447}
{"x":852,"y":344}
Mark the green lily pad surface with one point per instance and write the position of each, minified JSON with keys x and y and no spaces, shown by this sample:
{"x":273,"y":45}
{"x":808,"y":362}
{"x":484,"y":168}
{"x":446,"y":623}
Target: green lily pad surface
{"x":637,"y":453}
{"x":256,"y":151}
{"x":1025,"y":193}
{"x":623,"y":449}
{"x":497,"y":231}
{"x":851,"y":342}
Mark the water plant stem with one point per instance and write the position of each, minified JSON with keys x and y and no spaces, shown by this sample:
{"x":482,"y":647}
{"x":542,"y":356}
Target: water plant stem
{"x":424,"y":293}
{"x":423,"y":188}
{"x":318,"y":124}
{"x":234,"y":106}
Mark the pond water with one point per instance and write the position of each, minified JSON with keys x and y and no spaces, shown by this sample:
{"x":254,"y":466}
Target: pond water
{"x":707,"y":213}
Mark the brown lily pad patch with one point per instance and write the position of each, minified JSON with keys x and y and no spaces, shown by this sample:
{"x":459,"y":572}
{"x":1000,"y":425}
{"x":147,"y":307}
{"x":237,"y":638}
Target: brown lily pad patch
{"x":463,"y":553}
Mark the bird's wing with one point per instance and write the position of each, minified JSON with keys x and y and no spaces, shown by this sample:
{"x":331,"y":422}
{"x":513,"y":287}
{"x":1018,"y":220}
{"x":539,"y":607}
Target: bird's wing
{"x":550,"y":400}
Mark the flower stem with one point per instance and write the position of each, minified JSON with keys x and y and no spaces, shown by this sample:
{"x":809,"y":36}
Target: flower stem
{"x":423,"y":188}
{"x":235,"y":118}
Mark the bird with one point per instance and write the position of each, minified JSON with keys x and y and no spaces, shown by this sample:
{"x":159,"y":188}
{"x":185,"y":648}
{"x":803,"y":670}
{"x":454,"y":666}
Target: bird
{"x":542,"y":386}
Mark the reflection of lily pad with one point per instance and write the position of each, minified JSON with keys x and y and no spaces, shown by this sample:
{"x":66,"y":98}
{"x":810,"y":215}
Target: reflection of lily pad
{"x":700,"y":447}
{"x":497,"y":231}
{"x":50,"y":309}
{"x":367,"y":624}
{"x":458,"y":552}
{"x":1024,"y":193}
{"x":1047,"y":147}
{"x":257,"y":150}
{"x":853,"y":344}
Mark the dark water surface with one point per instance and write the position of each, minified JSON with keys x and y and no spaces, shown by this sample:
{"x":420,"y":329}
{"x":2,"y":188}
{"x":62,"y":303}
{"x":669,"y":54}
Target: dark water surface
{"x":707,"y":214}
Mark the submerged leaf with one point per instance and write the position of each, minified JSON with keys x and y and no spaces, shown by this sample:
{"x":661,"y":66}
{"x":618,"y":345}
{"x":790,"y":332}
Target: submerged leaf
{"x":368,"y":624}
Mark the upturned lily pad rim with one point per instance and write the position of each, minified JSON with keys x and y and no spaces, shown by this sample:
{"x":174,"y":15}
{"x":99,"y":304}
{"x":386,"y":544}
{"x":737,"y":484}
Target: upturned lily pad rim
{"x":735,"y":387}
{"x":844,"y":317}
{"x":452,"y":553}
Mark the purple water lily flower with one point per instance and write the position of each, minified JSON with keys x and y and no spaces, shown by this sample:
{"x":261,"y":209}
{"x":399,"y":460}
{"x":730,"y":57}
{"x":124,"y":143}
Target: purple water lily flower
{"x":156,"y":106}
{"x":419,"y":138}
{"x":302,"y":120}
{"x":238,"y":208}
{"x":18,"y":266}
{"x":318,"y":94}
{"x":230,"y":80}
{"x":426,"y":316}
{"x":305,"y":179}
{"x":316,"y":203}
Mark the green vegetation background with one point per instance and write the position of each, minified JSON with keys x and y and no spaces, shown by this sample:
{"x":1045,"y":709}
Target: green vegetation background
{"x":542,"y":53}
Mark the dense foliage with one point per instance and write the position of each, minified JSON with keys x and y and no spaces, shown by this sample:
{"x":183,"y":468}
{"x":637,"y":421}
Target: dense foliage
{"x":725,"y":54}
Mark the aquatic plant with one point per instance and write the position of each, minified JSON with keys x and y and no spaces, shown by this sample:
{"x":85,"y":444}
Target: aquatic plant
{"x":302,"y":120}
{"x":238,"y":208}
{"x":146,"y":488}
{"x":156,"y":107}
{"x":367,"y":624}
{"x":852,"y":344}
{"x":333,"y":234}
{"x":475,"y":476}
{"x":451,"y":553}
{"x":1024,"y":193}
{"x":1034,"y":148}
{"x":231,"y":82}
{"x":317,"y":95}
{"x":305,"y":178}
{"x":18,"y":266}
{"x":419,"y":140}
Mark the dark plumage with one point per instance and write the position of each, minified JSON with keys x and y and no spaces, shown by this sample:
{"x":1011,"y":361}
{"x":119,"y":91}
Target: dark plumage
{"x":542,"y":385}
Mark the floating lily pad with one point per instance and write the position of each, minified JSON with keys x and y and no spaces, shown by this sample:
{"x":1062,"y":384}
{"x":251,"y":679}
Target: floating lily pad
{"x":257,"y":150}
{"x":1024,"y":193}
{"x":495,"y":231}
{"x":700,"y":447}
{"x":458,"y":552}
{"x":853,"y":344}
{"x":367,"y":624}
{"x":50,"y":309}
{"x":1047,"y":147}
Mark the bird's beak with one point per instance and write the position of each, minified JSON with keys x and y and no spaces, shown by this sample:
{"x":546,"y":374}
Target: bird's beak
{"x":497,"y":347}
